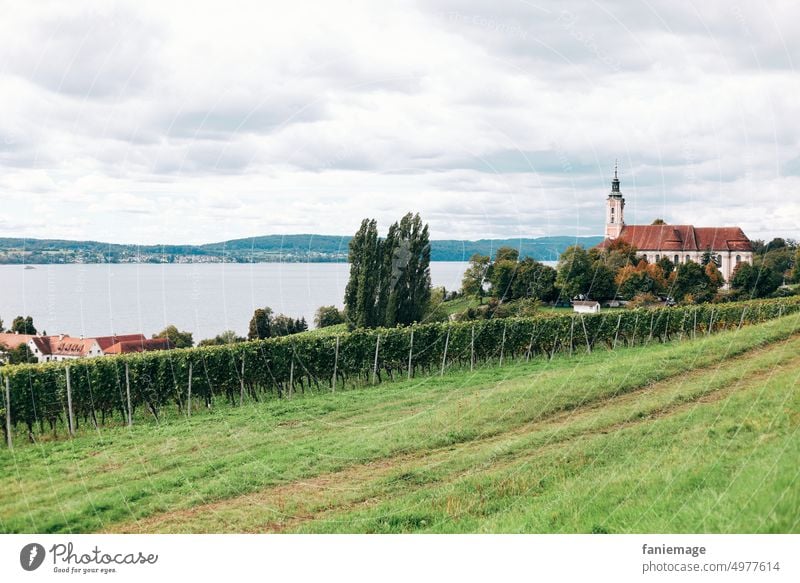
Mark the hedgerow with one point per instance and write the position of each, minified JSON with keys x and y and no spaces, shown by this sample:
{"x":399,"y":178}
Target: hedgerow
{"x":287,"y":365}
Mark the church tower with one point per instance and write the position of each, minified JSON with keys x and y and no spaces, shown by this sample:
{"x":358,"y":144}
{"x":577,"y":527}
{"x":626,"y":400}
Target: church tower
{"x":615,"y":207}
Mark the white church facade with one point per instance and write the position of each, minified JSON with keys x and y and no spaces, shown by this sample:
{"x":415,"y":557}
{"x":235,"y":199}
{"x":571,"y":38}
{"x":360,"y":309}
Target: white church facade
{"x":679,"y":243}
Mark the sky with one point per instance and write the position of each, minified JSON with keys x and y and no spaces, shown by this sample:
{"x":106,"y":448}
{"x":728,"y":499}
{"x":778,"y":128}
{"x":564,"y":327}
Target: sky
{"x":192,"y":122}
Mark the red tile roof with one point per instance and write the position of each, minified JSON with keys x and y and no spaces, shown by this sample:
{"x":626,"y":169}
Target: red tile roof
{"x":11,"y":341}
{"x":683,"y":238}
{"x":107,"y":342}
{"x":139,"y":345}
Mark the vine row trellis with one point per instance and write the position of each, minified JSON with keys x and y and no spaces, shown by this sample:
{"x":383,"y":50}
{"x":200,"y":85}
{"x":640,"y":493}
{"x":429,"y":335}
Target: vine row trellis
{"x":92,"y":391}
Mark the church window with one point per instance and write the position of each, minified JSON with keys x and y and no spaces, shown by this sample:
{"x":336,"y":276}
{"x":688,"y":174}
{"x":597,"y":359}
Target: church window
{"x":677,"y":260}
{"x":738,"y":259}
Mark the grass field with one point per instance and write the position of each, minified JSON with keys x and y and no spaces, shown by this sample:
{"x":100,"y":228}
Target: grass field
{"x":698,"y":436}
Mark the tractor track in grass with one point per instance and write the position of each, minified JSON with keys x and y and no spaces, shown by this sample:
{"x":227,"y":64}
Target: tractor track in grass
{"x":288,"y":506}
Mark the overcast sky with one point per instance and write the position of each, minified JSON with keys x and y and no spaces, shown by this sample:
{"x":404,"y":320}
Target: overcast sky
{"x":195,"y":122}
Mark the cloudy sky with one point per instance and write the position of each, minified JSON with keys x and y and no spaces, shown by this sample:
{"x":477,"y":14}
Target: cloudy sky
{"x":195,"y":122}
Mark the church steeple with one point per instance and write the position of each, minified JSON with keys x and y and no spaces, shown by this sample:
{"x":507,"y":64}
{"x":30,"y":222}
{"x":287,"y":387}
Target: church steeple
{"x":615,"y":209}
{"x":615,"y":182}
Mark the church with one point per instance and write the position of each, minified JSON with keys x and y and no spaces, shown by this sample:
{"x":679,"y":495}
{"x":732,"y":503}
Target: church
{"x":680,"y":243}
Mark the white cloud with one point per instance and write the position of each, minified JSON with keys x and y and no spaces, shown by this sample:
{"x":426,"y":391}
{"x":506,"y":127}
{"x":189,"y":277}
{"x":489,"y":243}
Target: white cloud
{"x":190,"y":122}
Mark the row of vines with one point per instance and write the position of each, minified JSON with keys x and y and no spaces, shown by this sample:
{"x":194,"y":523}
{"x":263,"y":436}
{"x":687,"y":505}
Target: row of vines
{"x":47,"y":396}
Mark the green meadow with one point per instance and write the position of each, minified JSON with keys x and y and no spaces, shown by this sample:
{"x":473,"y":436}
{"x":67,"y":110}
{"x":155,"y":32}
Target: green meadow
{"x":692,"y":436}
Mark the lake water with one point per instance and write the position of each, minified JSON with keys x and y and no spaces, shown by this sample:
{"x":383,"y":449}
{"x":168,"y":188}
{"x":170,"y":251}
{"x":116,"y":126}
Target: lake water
{"x":96,"y":300}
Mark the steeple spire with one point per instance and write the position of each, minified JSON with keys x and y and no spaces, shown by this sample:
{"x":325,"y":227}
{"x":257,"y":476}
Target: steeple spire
{"x":615,"y":182}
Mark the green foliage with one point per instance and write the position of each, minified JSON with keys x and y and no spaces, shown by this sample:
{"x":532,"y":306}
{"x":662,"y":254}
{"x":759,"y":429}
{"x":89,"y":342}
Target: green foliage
{"x":260,"y":324}
{"x":227,"y":337}
{"x":475,"y":276}
{"x":328,"y":316}
{"x":753,"y":281}
{"x":535,"y":281}
{"x":176,"y":337}
{"x":289,"y":364}
{"x":390,"y":280}
{"x":22,"y":325}
{"x":692,"y":284}
{"x":574,"y":275}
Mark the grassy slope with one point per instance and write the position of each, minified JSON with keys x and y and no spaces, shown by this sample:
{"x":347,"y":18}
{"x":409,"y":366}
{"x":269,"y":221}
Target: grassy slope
{"x":698,"y":436}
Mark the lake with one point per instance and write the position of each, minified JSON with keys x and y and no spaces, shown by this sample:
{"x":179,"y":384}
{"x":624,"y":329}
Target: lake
{"x":203,"y":298}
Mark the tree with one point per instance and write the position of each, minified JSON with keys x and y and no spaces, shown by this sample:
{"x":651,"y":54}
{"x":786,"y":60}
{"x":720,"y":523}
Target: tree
{"x":534,"y":280}
{"x":226,"y":337}
{"x":409,"y":281}
{"x":475,"y":276}
{"x":796,"y":269}
{"x":260,"y":324}
{"x":602,"y":285}
{"x":283,"y":325}
{"x":666,"y":265}
{"x":659,"y":222}
{"x":645,"y":278}
{"x":692,"y":283}
{"x":363,"y":287}
{"x":501,"y":276}
{"x":620,"y":253}
{"x":328,"y":316}
{"x":506,"y":254}
{"x":390,"y":281}
{"x":574,"y":272}
{"x":22,"y":325}
{"x":20,"y":355}
{"x":177,"y":338}
{"x":755,"y":282}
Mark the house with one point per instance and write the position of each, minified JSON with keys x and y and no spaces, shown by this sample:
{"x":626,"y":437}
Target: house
{"x":729,"y":246}
{"x":63,"y":347}
{"x":143,"y":345}
{"x":586,"y":306}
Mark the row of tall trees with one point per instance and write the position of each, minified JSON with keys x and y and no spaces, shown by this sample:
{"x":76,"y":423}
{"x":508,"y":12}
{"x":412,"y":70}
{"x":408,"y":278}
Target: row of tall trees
{"x":390,"y":280}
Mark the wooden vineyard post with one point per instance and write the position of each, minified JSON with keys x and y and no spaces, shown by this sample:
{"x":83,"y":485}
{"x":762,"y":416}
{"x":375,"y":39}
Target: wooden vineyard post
{"x":128,"y":394}
{"x":710,"y":322}
{"x":70,"y":415}
{"x":616,"y":332}
{"x":694,"y":328}
{"x":571,"y":333}
{"x":335,"y":365}
{"x":241,"y":384}
{"x":530,"y":345}
{"x":189,"y":393}
{"x":444,"y":356}
{"x":8,"y":414}
{"x":375,"y":363}
{"x":410,"y":353}
{"x":586,"y":334}
{"x":472,"y":350}
{"x":291,"y":376}
{"x":503,"y":344}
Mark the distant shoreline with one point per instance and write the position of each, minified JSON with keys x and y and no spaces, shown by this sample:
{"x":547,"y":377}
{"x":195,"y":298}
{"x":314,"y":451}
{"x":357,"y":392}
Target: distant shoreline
{"x":266,"y":249}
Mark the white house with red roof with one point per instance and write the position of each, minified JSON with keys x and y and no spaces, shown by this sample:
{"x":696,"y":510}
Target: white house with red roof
{"x":63,"y":347}
{"x":679,"y":243}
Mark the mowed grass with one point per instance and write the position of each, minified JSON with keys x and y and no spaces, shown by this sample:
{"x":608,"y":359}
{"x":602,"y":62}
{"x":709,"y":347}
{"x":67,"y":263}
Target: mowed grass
{"x":693,"y":436}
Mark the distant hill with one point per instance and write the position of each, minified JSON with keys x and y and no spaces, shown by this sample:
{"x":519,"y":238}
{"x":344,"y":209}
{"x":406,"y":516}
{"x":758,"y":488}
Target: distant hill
{"x":268,"y":248}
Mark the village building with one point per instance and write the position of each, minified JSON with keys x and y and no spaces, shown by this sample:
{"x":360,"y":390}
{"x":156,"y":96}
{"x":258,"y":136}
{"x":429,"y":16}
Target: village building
{"x":63,"y":347}
{"x":729,"y":246}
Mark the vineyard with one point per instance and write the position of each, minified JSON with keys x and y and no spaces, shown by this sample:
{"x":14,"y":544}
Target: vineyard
{"x":58,"y":397}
